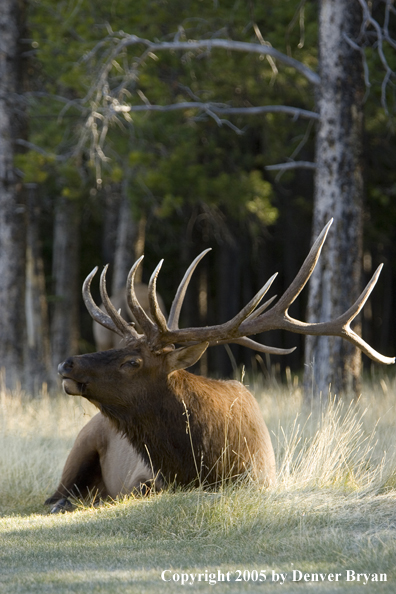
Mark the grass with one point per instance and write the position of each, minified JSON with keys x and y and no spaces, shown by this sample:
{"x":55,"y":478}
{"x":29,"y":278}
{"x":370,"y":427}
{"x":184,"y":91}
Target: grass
{"x":333,"y":508}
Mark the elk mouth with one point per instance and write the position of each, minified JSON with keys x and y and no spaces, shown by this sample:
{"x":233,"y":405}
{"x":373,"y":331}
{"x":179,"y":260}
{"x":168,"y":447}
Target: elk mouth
{"x":73,"y":388}
{"x":70,"y":386}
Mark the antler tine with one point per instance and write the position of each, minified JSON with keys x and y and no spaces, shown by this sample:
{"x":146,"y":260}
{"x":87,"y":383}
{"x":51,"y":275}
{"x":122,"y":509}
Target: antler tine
{"x":95,"y":312}
{"x":255,"y":346}
{"x":174,"y":315}
{"x":278,"y":313}
{"x":304,"y":274}
{"x":278,"y":318}
{"x":341,"y":325}
{"x":261,"y":309}
{"x":355,"y":309}
{"x":356,"y":340}
{"x":252,"y":321}
{"x":138,"y":312}
{"x":124,"y":328}
{"x":345,"y":319}
{"x":248,"y":310}
{"x":155,"y":309}
{"x":227,"y":332}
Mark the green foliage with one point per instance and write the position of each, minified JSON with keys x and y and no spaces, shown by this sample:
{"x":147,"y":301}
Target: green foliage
{"x":34,"y":166}
{"x":175,"y":165}
{"x":170,"y":160}
{"x":195,"y":167}
{"x":260,"y":204}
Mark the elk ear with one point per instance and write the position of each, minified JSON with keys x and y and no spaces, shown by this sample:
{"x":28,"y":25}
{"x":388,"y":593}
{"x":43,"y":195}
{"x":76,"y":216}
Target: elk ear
{"x":185,"y":356}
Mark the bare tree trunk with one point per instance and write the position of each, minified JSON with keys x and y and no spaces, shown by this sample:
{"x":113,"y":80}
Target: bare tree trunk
{"x":64,"y":325}
{"x":12,"y":209}
{"x":339,"y":194}
{"x":37,"y":346}
{"x":129,"y":244}
{"x":111,"y":209}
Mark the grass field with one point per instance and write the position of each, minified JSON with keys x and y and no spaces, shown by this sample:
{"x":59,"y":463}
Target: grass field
{"x":331,"y":517}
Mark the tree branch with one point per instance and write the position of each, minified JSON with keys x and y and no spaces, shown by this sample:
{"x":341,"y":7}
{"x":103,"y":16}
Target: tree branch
{"x":208,"y":45}
{"x":33,"y":147}
{"x":382,"y":35}
{"x":219,"y":109}
{"x":107,"y":104}
{"x":291,"y":165}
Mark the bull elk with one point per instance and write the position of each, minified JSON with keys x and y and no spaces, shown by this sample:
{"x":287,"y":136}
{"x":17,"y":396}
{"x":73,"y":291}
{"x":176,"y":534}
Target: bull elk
{"x":178,"y":426}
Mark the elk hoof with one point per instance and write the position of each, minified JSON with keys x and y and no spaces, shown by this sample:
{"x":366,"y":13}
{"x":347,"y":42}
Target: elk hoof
{"x":62,"y":506}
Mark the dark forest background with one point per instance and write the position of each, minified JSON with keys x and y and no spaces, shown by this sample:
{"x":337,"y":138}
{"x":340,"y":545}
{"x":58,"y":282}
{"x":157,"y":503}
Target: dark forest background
{"x":170,"y":184}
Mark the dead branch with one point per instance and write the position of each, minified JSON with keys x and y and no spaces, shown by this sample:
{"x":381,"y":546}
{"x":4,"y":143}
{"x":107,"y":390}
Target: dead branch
{"x":203,"y":45}
{"x":382,"y":37}
{"x":219,"y":109}
{"x":291,"y":165}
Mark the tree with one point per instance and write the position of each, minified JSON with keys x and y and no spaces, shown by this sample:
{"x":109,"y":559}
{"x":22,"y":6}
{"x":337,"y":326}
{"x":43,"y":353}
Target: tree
{"x":339,"y":152}
{"x":12,"y":207}
{"x":186,"y":168}
{"x":330,"y":362}
{"x":65,"y":269}
{"x":37,"y":361}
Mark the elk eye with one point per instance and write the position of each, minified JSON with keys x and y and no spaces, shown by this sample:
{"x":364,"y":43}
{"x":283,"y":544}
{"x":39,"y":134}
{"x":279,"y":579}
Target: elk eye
{"x":135,"y":363}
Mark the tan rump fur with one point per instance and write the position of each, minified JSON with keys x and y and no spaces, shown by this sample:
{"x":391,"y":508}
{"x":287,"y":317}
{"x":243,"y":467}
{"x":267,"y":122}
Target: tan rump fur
{"x":231,"y":423}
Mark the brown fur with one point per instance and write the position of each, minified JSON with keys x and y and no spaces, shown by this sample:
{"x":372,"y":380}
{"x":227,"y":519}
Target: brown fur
{"x":185,"y":427}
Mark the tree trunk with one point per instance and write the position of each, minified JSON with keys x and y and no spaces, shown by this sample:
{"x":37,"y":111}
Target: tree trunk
{"x":67,"y":290}
{"x":111,"y":209}
{"x":37,"y":346}
{"x":332,"y":363}
{"x":129,"y":242}
{"x":12,"y":209}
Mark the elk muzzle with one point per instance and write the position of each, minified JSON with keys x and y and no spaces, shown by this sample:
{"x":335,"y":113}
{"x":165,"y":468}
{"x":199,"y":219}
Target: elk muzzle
{"x":70,"y":385}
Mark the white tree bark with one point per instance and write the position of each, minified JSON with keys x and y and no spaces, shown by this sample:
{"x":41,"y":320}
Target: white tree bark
{"x":125,"y":245}
{"x":331,"y":362}
{"x":12,"y":209}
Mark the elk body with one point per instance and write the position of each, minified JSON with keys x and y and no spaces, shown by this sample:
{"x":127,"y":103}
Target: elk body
{"x":184,"y":427}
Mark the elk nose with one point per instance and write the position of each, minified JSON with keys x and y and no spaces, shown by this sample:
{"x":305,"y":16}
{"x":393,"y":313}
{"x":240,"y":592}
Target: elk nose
{"x":66,"y":366}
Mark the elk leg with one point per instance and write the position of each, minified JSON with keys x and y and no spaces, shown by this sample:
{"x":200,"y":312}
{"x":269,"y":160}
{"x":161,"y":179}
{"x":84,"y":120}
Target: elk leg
{"x":82,"y":474}
{"x":61,"y":506}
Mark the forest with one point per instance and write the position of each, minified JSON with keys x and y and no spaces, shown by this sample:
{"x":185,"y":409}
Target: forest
{"x":166,"y":128}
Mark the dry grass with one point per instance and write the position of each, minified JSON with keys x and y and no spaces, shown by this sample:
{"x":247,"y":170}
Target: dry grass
{"x":333,"y":507}
{"x":35,"y":438}
{"x":344,"y":443}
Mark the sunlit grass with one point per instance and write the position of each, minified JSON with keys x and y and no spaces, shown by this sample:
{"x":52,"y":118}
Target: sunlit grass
{"x":35,"y":437}
{"x":333,"y":507}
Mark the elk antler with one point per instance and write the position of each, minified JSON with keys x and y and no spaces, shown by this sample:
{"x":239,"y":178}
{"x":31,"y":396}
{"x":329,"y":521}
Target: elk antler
{"x":173,"y":320}
{"x":111,"y":320}
{"x":252,"y":319}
